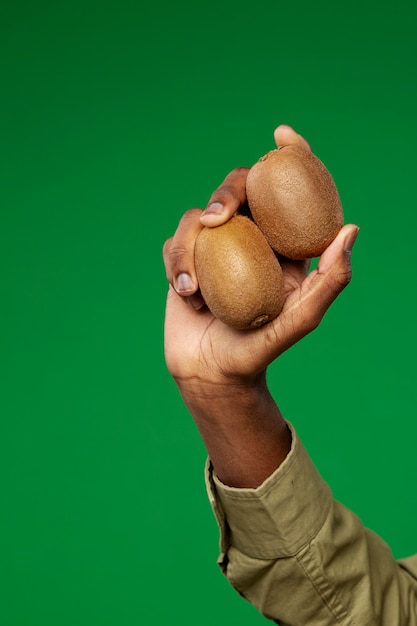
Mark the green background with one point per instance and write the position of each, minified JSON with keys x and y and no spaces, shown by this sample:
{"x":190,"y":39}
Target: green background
{"x":116,"y":117}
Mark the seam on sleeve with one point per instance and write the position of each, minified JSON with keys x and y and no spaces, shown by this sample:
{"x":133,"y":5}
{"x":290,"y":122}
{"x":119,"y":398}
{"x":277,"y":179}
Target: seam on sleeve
{"x":325,"y":590}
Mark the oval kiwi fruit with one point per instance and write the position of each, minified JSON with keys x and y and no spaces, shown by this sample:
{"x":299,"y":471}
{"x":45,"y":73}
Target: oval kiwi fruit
{"x":239,"y":275}
{"x":294,"y":201}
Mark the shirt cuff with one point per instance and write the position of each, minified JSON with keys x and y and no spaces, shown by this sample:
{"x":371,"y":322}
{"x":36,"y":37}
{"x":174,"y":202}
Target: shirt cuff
{"x":277,"y":518}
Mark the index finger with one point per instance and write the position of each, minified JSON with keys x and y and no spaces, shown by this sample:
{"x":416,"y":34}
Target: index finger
{"x":228,"y":198}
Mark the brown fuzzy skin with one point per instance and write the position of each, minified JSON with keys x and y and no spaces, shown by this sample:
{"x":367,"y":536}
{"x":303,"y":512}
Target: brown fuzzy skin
{"x":239,"y":275}
{"x":294,"y":201}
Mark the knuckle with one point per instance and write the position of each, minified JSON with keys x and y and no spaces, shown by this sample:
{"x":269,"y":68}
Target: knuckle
{"x":309,"y":316}
{"x":177,"y":254}
{"x":343,"y":278}
{"x":233,"y":186}
{"x":226,"y":192}
{"x":189,"y":217}
{"x":240,"y":172}
{"x":166,"y":246}
{"x":314,"y":321}
{"x":310,"y":320}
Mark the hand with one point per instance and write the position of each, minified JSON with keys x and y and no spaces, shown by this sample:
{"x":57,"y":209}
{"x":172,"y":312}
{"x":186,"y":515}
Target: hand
{"x":199,"y":347}
{"x":220,"y":371}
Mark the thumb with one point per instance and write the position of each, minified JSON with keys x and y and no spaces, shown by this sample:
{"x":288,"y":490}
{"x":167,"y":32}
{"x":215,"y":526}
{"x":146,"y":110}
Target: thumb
{"x":305,"y":307}
{"x":333,"y":274}
{"x":338,"y":254}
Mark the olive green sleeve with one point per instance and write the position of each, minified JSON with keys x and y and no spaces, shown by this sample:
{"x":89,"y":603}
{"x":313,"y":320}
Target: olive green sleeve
{"x":302,"y":558}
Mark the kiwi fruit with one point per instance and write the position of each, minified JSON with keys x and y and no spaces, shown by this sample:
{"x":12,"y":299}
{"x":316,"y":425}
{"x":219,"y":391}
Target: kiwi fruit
{"x":294,"y":201}
{"x":239,"y":275}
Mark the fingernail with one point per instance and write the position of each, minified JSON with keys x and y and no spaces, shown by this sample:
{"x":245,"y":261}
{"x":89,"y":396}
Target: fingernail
{"x":350,"y":240}
{"x":215,"y":208}
{"x":196,"y":301}
{"x":184,"y":283}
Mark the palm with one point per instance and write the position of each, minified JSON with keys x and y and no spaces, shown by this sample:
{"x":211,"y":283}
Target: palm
{"x":203,"y":346}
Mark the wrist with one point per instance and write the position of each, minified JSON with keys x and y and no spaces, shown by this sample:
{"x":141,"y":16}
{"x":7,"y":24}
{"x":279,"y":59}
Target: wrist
{"x":242,"y":428}
{"x":214,"y":397}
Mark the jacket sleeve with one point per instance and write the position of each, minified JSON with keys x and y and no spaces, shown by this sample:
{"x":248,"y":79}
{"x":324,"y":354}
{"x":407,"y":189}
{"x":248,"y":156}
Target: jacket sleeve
{"x":300,"y":557}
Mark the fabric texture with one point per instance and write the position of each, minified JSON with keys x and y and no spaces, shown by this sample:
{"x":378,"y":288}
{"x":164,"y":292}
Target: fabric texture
{"x":300,"y":557}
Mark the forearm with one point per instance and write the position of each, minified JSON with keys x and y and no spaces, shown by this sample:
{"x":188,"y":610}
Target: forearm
{"x":243,"y":430}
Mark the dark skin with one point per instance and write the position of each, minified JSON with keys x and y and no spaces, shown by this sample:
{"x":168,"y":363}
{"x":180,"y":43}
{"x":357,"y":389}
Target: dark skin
{"x":221,"y":372}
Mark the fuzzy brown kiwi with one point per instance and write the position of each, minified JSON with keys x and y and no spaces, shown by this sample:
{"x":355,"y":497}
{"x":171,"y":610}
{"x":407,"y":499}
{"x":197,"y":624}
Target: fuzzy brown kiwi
{"x":294,"y":201}
{"x":239,"y":275}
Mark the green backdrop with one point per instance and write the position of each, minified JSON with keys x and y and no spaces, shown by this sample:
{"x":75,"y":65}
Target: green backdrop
{"x":116,"y":117}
